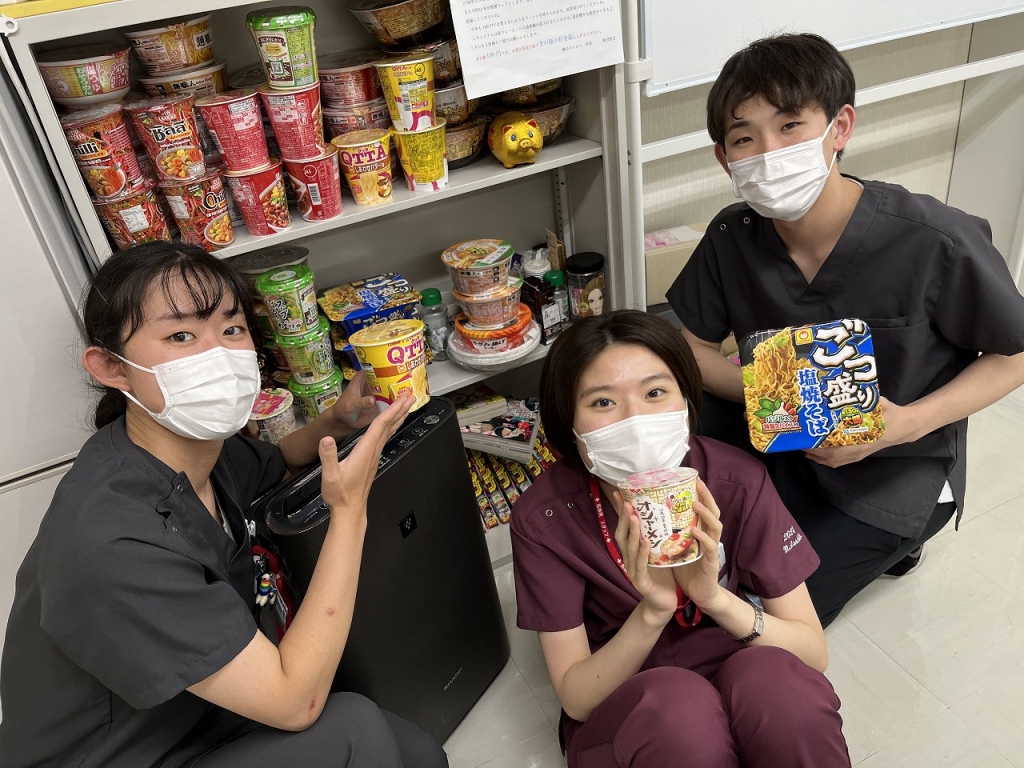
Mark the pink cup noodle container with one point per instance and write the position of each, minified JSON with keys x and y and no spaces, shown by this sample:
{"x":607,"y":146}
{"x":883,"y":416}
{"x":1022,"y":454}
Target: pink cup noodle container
{"x":236,"y":124}
{"x":273,"y":415}
{"x":478,"y":266}
{"x":297,"y":119}
{"x":357,"y":117}
{"x":663,"y":500}
{"x":349,"y":78}
{"x":492,"y":310}
{"x":317,"y":185}
{"x":261,"y":198}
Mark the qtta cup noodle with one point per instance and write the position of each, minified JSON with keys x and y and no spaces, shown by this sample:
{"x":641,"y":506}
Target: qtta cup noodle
{"x":102,"y":147}
{"x":394,"y":357}
{"x":236,"y":124}
{"x":297,"y":119}
{"x":366,"y":164}
{"x":261,"y":198}
{"x":663,"y":501}
{"x":201,"y":210}
{"x":134,"y":217}
{"x":317,"y":185}
{"x":167,"y":129}
{"x":408,"y":84}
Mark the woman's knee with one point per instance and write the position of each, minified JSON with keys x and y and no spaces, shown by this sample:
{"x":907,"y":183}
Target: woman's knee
{"x":768,"y":674}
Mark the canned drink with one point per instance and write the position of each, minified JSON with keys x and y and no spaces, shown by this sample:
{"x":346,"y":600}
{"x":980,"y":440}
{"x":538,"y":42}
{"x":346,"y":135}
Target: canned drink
{"x":261,"y":198}
{"x":366,"y":164}
{"x":297,"y":120}
{"x":102,"y":147}
{"x":236,"y":124}
{"x":168,"y":131}
{"x":349,"y":78}
{"x":134,"y":217}
{"x":290,"y":295}
{"x":201,"y":209}
{"x":179,"y":45}
{"x":309,"y":356}
{"x":317,"y":185}
{"x":408,"y":83}
{"x":314,"y":399}
{"x":284,"y":38}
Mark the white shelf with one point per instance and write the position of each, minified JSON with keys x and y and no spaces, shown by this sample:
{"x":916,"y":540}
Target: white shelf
{"x":446,"y":377}
{"x":485,"y":172}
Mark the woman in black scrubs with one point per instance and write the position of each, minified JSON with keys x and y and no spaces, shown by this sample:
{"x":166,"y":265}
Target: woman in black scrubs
{"x":132,"y":639}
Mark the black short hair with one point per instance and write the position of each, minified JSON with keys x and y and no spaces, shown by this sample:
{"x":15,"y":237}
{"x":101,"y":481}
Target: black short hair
{"x":790,"y":72}
{"x":577,"y":348}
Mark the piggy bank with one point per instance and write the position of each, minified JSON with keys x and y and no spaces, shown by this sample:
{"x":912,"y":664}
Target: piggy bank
{"x":515,"y":138}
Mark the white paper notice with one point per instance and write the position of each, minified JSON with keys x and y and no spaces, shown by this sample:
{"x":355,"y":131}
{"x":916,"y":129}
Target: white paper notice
{"x":505,"y":44}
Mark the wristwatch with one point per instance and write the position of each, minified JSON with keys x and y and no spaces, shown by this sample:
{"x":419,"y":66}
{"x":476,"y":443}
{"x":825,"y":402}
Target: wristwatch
{"x":758,"y":625}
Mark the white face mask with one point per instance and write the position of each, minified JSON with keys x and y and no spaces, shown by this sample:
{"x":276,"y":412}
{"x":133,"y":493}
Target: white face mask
{"x":208,"y":396}
{"x":784,"y":183}
{"x":637,"y":444}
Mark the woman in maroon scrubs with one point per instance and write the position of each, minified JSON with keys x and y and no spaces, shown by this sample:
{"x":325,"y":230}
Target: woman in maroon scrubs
{"x":714,"y":663}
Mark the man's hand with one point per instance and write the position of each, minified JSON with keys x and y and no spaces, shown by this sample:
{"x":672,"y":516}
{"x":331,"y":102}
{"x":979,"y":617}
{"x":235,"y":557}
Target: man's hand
{"x":356,"y":407}
{"x":901,"y":426}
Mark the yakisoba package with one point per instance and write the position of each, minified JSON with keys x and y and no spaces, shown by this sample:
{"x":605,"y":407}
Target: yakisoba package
{"x":816,"y":385}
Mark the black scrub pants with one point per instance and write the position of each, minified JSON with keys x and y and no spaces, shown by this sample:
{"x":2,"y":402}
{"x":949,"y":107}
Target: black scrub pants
{"x":351,"y":732}
{"x":853,"y":554}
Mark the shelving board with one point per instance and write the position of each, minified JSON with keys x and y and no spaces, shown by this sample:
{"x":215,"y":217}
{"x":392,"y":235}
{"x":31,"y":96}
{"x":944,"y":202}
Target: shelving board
{"x":446,"y":377}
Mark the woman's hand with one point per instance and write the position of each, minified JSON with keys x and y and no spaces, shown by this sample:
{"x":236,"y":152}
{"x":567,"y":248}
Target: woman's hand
{"x":345,"y":485}
{"x":356,"y":407}
{"x":699,"y":580}
{"x":655,"y":586}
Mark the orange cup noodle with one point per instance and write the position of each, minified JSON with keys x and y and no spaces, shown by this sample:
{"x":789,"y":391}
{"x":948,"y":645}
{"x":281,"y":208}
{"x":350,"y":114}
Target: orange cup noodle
{"x":357,"y":117}
{"x":366,"y":164}
{"x":317,"y":185}
{"x":261,"y":198}
{"x":183,"y":44}
{"x":394,"y":357}
{"x":497,"y":340}
{"x":201,"y":209}
{"x":490,"y":311}
{"x":408,"y":83}
{"x":133,"y":218}
{"x":236,"y":125}
{"x":478,"y":266}
{"x":663,"y":500}
{"x":200,"y":81}
{"x":168,"y":131}
{"x":424,"y":156}
{"x":297,"y":119}
{"x":102,"y":146}
{"x":349,"y":77}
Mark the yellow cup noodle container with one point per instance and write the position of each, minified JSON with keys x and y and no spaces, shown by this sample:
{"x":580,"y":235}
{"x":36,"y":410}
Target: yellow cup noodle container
{"x":394,"y":357}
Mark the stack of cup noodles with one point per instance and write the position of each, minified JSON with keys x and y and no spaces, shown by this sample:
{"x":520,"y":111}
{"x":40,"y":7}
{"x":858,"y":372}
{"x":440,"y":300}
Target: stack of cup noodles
{"x":495,"y":326}
{"x":302,"y":336}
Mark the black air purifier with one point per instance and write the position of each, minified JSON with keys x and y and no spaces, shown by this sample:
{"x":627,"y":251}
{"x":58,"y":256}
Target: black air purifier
{"x":427,"y":636}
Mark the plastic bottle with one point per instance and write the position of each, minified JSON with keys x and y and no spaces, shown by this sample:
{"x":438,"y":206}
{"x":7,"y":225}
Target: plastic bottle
{"x":536,"y":263}
{"x":556,"y":279}
{"x":434,"y":314}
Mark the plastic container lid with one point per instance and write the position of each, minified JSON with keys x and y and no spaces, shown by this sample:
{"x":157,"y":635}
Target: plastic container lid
{"x":477,"y":254}
{"x":554,"y":277}
{"x":258,"y":262}
{"x":80,"y":117}
{"x":322,"y":331}
{"x":284,"y":17}
{"x":430,"y":297}
{"x":584,"y":263}
{"x":537,"y":266}
{"x":311,"y":390}
{"x":286,"y":278}
{"x":346,"y":61}
{"x":270,"y":403}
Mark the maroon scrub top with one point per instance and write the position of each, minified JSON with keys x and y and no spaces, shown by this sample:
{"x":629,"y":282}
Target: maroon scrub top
{"x":566,"y":577}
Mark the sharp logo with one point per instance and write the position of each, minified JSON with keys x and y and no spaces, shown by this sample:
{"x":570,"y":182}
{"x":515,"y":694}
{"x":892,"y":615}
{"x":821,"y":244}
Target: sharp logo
{"x":454,"y":678}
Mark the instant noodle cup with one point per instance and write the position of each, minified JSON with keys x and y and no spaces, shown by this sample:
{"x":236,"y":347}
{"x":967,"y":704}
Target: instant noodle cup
{"x":810,"y":386}
{"x":314,"y":399}
{"x":182,"y":44}
{"x":447,"y":66}
{"x":168,"y":131}
{"x":493,"y":310}
{"x":357,"y":117}
{"x":255,"y":263}
{"x":366,"y":164}
{"x":273,"y":416}
{"x":290,"y":295}
{"x":400,"y":22}
{"x":451,"y":103}
{"x":352,"y":306}
{"x":464,"y":142}
{"x":85,"y":75}
{"x":394,"y":357}
{"x":297,"y":120}
{"x":261,"y":198}
{"x":263,"y":322}
{"x":532,"y":94}
{"x":200,"y":207}
{"x":236,"y":124}
{"x":663,"y":501}
{"x":478,"y":266}
{"x":424,"y":157}
{"x":349,"y":77}
{"x":134,"y":217}
{"x":498,"y":339}
{"x":317,"y":185}
{"x":248,"y":76}
{"x":102,"y":147}
{"x":309,"y":356}
{"x":284,"y":38}
{"x":408,"y":83}
{"x":199,"y":81}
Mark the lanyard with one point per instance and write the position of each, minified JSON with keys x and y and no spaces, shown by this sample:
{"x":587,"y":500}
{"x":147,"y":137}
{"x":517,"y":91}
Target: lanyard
{"x":687,"y":614}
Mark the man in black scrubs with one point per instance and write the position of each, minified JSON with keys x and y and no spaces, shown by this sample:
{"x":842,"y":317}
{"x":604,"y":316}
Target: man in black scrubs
{"x":809,"y":245}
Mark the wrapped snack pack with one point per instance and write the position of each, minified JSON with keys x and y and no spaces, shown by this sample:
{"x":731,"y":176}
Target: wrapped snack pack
{"x":815,"y":385}
{"x":373,"y":300}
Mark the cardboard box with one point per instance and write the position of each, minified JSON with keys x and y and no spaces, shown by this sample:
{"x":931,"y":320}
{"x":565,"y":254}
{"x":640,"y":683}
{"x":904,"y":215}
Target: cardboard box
{"x":666,"y":251}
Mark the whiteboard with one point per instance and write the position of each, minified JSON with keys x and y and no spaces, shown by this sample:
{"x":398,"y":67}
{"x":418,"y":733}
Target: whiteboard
{"x":689,"y":42}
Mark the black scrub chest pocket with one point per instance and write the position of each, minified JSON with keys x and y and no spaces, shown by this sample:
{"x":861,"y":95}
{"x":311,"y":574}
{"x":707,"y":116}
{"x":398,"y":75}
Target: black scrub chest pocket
{"x":907,"y":357}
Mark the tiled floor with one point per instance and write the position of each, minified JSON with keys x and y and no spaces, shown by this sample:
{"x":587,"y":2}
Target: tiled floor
{"x":930,"y":668}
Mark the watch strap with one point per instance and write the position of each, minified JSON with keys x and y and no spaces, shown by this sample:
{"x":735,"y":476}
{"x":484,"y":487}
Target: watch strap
{"x":758,"y":625}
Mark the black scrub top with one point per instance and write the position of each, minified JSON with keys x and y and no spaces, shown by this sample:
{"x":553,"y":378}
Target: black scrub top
{"x":926,"y":279}
{"x":130,"y":593}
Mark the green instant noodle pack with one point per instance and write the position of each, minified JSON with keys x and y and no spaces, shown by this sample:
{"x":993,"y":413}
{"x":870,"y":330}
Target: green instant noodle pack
{"x":810,"y":386}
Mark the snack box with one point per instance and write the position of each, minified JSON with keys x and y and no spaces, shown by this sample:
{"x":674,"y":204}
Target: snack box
{"x":373,"y":300}
{"x":490,"y":486}
{"x":483,"y":500}
{"x":810,"y":386}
